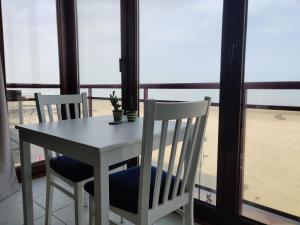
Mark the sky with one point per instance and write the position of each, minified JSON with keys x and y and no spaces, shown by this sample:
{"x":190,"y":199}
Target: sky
{"x":180,"y":41}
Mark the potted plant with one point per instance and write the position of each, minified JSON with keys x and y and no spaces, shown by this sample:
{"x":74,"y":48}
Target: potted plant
{"x":131,"y":113}
{"x":117,"y":112}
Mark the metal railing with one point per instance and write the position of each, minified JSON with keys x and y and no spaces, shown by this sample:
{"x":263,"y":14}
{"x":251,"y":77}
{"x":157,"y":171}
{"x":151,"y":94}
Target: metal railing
{"x":288,"y":85}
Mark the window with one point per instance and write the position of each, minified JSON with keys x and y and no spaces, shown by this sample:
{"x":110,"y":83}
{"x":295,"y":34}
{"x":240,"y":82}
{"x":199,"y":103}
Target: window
{"x":272,"y":131}
{"x":99,"y":49}
{"x":31,"y":56}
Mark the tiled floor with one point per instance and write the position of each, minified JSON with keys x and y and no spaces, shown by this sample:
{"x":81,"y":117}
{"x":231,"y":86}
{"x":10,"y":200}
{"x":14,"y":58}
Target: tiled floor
{"x":63,"y":209}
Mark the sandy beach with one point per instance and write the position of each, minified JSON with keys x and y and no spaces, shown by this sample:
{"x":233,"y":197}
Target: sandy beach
{"x":272,"y":153}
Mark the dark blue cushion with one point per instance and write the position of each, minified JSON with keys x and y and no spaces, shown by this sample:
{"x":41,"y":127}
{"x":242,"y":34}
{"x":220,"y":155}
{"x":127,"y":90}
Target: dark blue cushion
{"x":124,"y":188}
{"x":73,"y":169}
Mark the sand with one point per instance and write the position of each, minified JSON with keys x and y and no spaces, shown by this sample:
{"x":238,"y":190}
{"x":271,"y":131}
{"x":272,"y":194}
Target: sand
{"x":272,"y":154}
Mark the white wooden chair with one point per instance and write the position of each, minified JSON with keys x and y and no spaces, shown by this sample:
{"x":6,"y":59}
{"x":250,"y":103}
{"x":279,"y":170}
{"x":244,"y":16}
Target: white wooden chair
{"x":59,"y":167}
{"x":64,"y":168}
{"x":144,"y":194}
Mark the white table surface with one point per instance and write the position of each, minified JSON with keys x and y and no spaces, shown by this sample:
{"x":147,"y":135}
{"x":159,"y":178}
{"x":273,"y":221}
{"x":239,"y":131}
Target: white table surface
{"x":91,"y":140}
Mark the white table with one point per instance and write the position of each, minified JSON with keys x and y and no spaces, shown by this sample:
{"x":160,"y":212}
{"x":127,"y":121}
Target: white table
{"x":90,"y":140}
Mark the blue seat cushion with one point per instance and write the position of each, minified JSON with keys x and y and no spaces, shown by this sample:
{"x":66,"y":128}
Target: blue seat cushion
{"x":73,"y":169}
{"x":124,"y":188}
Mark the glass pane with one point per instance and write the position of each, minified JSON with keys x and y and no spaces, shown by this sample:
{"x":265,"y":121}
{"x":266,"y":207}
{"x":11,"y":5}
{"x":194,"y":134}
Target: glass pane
{"x":99,"y":104}
{"x":271,"y":191}
{"x":180,"y":42}
{"x":31,"y":56}
{"x":99,"y":41}
{"x":23,"y":111}
{"x":99,"y":50}
{"x":30,"y":41}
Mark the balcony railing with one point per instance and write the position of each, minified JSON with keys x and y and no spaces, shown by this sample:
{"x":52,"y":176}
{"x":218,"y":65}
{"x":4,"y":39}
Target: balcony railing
{"x":289,"y":85}
{"x":145,"y":88}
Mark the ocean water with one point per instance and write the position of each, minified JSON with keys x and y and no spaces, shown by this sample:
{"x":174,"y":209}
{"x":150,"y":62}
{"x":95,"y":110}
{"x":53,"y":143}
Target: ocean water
{"x":257,"y":97}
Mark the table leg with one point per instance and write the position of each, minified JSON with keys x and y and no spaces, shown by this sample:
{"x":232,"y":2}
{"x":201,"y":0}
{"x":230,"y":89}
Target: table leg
{"x":101,"y":192}
{"x":21,"y":115}
{"x":26,"y":182}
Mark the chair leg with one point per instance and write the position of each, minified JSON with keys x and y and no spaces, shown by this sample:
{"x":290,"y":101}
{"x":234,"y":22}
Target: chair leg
{"x":188,"y":217}
{"x":143,"y":223}
{"x":49,"y":201}
{"x":91,"y":209}
{"x":78,"y":199}
{"x":85,"y":198}
{"x":122,"y":220}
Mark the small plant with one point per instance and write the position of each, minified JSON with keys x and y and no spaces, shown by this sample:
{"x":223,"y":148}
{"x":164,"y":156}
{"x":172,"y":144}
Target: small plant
{"x":131,"y":113}
{"x":114,"y":100}
{"x":117,"y":112}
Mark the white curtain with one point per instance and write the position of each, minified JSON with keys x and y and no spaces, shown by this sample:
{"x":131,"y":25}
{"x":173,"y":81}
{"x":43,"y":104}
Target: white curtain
{"x":8,"y":179}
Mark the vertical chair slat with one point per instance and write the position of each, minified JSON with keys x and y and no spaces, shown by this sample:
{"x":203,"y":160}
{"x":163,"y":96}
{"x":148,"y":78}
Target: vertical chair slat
{"x":40,"y":107}
{"x":84,"y":105}
{"x":58,"y":108}
{"x":146,"y":156}
{"x":67,"y":106}
{"x":42,"y":118}
{"x":182,"y":156}
{"x":50,"y":112}
{"x":190,"y":154}
{"x":194,"y":163}
{"x":160,"y":163}
{"x":199,"y":145}
{"x":76,"y":110}
{"x":172,"y":160}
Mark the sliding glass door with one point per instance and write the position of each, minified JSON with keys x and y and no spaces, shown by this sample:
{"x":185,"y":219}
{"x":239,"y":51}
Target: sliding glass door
{"x":271,"y":172}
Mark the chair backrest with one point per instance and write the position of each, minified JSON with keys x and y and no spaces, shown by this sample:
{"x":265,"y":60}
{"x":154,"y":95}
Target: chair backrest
{"x":60,"y":101}
{"x":191,"y":118}
{"x":53,"y":105}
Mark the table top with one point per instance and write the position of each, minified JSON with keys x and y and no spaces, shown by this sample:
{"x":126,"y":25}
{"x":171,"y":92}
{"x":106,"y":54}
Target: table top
{"x":94,"y":131}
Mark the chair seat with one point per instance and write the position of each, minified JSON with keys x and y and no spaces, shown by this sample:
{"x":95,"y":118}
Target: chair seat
{"x":124,"y":188}
{"x":75,"y":170}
